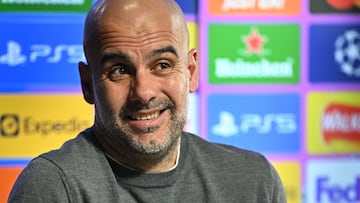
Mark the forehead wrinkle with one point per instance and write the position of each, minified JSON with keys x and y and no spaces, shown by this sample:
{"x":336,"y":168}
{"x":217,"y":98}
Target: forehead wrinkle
{"x":107,"y":37}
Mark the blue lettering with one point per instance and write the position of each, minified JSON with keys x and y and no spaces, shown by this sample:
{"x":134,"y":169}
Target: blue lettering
{"x":335,"y":193}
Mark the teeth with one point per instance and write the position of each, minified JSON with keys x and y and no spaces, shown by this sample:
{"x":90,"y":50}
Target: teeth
{"x":146,"y":117}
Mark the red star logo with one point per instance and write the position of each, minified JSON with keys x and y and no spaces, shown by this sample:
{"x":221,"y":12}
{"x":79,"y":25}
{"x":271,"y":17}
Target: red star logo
{"x":254,"y":42}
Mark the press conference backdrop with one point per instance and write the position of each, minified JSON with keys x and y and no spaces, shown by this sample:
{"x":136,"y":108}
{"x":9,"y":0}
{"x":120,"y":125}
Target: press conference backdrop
{"x":281,"y":77}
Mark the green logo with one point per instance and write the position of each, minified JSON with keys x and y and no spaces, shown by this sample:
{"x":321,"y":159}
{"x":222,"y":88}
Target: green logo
{"x":254,"y":53}
{"x":45,"y":5}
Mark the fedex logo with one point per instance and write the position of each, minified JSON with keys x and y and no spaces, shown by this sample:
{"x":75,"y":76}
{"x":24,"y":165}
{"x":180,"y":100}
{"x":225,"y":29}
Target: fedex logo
{"x":261,"y":122}
{"x":333,"y":180}
{"x":71,"y":53}
{"x":328,"y":191}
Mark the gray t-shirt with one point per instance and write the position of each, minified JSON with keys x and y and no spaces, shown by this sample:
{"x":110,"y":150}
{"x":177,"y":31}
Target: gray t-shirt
{"x":80,"y":172}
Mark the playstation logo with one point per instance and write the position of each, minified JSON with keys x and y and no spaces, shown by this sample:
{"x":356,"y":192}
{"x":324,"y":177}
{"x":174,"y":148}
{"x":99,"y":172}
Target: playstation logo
{"x":13,"y":57}
{"x":226,"y":126}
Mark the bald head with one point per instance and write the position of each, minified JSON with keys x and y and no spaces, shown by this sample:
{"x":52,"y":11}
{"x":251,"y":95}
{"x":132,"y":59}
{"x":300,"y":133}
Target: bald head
{"x":135,"y":18}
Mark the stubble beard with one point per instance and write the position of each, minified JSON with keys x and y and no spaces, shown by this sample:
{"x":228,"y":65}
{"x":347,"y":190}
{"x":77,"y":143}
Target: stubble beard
{"x":124,"y":142}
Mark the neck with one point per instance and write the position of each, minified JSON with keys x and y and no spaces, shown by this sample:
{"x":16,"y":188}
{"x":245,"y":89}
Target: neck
{"x":158,"y":167}
{"x":146,"y":163}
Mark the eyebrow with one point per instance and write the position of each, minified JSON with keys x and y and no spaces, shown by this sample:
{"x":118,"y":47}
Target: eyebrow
{"x":167,"y":49}
{"x":112,"y":56}
{"x":122,"y":56}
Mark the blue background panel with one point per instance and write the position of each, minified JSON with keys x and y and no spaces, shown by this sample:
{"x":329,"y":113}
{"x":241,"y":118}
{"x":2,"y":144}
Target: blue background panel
{"x":267,"y":123}
{"x":323,"y":66}
{"x":40,"y":55}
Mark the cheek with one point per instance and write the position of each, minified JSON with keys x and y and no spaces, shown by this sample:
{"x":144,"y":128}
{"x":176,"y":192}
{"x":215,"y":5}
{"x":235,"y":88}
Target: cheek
{"x":111,"y":97}
{"x":177,"y":88}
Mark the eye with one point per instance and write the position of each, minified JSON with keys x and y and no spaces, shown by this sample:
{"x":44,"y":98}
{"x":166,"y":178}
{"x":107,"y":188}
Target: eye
{"x":162,"y":68}
{"x":118,"y":73}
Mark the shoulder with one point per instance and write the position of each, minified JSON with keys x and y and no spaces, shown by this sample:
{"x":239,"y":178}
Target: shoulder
{"x":80,"y":158}
{"x":75,"y":148}
{"x":229,"y":165}
{"x":230,"y":161}
{"x":33,"y":184}
{"x":224,"y":153}
{"x":78,"y":166}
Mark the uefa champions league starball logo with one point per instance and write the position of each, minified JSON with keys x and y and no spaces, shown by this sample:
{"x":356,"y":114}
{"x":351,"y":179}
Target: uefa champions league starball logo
{"x":347,"y":53}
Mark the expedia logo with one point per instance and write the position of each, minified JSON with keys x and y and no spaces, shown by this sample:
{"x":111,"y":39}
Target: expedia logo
{"x":341,"y":123}
{"x":11,"y":125}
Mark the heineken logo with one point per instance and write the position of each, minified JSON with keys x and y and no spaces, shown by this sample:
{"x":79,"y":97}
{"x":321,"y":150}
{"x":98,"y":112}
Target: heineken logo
{"x":254,"y":54}
{"x":260,"y":69}
{"x":254,"y":42}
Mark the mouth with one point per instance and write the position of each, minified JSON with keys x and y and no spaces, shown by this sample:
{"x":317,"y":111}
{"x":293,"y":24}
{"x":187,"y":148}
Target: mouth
{"x":145,"y":116}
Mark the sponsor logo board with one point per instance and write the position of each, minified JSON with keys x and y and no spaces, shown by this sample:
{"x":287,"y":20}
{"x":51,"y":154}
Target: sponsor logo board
{"x":192,"y":123}
{"x":333,"y":181}
{"x":333,"y":120}
{"x":194,"y":34}
{"x":341,"y":49}
{"x":8,"y":177}
{"x":65,"y":6}
{"x":335,"y":6}
{"x":241,"y":53}
{"x":44,"y":60}
{"x":266,"y":122}
{"x":32,"y":124}
{"x":254,"y":7}
{"x":189,"y":6}
{"x":290,"y":174}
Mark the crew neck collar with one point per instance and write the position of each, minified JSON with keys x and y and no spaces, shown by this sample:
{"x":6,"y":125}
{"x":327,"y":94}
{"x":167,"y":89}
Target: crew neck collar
{"x":129,"y":176}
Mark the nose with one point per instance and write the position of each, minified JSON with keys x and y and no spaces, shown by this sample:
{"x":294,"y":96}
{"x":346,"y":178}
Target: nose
{"x":143,"y":87}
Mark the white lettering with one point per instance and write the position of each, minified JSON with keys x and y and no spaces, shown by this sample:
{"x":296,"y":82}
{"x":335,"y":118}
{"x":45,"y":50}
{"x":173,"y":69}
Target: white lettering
{"x":39,"y":51}
{"x":224,"y":68}
{"x":271,"y":4}
{"x":283,"y":123}
{"x":336,"y":121}
{"x":238,"y":4}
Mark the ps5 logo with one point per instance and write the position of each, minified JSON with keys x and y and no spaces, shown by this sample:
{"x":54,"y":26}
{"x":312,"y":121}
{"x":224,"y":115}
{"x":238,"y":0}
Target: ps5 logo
{"x":281,"y":123}
{"x":70,"y":53}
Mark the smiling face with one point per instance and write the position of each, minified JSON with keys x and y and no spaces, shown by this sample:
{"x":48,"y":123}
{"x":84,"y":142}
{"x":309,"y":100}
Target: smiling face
{"x":139,"y":75}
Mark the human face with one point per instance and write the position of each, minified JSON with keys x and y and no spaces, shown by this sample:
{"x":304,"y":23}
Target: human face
{"x":140,"y":81}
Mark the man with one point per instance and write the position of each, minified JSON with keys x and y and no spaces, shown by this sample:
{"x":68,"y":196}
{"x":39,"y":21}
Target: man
{"x":138,"y":75}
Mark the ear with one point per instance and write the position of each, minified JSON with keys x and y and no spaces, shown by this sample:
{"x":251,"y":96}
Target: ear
{"x":194,"y":70}
{"x":86,"y":82}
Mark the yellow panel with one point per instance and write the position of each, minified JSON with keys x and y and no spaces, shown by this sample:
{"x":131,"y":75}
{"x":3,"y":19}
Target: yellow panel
{"x":336,"y":130}
{"x":32,"y":124}
{"x":193,"y":31}
{"x":290,"y":175}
